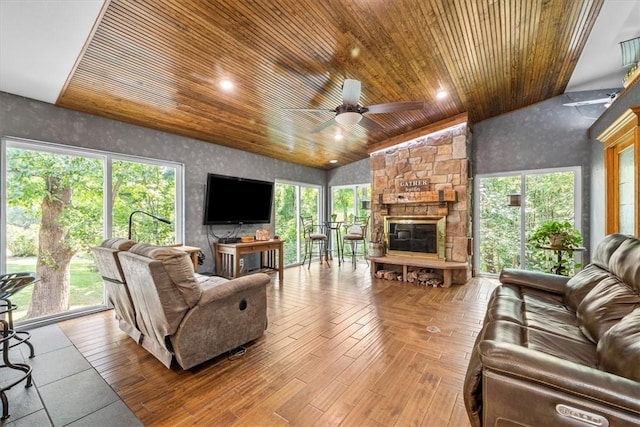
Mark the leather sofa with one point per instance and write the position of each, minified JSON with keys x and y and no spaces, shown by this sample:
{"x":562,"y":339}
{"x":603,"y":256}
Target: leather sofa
{"x":559,"y":351}
{"x":106,"y":257}
{"x":187,"y":317}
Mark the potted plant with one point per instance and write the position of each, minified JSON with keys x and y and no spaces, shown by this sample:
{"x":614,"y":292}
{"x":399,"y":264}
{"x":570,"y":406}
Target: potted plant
{"x":557,"y":235}
{"x":561,"y":238}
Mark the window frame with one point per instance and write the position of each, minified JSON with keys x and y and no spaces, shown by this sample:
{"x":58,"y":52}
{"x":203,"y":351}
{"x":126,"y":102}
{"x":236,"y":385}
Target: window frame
{"x":577,"y":208}
{"x":107,"y":159}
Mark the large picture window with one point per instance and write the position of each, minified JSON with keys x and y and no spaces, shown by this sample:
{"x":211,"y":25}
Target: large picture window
{"x":511,"y":206}
{"x":58,"y":201}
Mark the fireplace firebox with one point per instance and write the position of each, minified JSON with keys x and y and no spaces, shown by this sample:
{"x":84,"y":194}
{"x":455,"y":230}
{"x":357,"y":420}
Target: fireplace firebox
{"x":412,"y":235}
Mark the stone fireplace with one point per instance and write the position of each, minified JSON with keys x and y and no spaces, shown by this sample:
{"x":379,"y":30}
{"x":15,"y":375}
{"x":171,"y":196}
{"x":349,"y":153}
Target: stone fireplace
{"x":420,"y":195}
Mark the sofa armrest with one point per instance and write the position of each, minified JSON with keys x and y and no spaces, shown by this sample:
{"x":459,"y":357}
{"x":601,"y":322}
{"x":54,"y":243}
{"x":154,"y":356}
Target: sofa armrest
{"x":552,"y":372}
{"x":231,"y":287}
{"x":534,"y":279}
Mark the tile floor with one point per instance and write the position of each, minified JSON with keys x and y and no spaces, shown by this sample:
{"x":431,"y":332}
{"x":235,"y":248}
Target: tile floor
{"x":66,"y":390}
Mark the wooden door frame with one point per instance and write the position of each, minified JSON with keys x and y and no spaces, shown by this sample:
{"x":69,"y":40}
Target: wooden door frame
{"x":622,"y":134}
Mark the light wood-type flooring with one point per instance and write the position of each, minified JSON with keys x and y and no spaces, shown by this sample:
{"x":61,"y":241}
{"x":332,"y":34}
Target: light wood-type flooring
{"x":341,"y":349}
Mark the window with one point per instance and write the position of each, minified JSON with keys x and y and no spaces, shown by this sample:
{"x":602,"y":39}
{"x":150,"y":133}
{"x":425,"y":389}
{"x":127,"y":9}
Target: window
{"x":626,"y":191}
{"x":58,"y":201}
{"x":291,"y":201}
{"x":348,"y":202}
{"x":502,"y":228}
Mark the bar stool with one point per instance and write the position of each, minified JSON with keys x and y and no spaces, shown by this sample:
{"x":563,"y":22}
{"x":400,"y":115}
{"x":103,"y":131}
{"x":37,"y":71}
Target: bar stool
{"x":10,"y":337}
{"x":314,"y":235}
{"x":356,"y":233}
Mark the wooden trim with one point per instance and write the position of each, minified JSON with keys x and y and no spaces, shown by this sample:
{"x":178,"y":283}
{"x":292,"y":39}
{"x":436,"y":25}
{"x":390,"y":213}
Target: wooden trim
{"x":433,"y":196}
{"x":424,"y":131}
{"x":623,"y":133}
{"x":621,"y":128}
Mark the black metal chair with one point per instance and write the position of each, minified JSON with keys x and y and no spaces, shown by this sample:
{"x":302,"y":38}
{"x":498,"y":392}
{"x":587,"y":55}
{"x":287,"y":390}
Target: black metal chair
{"x":9,"y":337}
{"x":314,"y":235}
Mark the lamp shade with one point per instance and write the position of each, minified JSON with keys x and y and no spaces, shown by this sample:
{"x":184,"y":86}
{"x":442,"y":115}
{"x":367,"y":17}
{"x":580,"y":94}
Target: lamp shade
{"x":348,"y":118}
{"x":630,"y":51}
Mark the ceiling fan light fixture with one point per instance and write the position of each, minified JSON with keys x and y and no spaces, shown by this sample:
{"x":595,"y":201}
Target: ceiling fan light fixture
{"x":348,"y":118}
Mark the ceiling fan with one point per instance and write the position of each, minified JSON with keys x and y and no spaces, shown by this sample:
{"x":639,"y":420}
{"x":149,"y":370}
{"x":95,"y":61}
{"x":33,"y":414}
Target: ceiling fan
{"x":350,"y":112}
{"x":606,"y":101}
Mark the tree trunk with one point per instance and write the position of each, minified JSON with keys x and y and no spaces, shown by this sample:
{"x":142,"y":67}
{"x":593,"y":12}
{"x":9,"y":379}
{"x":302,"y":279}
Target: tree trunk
{"x":51,"y":293}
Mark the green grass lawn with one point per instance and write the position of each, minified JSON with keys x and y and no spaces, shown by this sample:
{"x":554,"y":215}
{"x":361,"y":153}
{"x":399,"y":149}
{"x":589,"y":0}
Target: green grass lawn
{"x":86,"y":283}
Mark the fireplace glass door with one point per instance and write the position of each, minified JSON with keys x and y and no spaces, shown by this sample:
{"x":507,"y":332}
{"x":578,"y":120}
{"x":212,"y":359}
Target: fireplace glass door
{"x":415,"y":236}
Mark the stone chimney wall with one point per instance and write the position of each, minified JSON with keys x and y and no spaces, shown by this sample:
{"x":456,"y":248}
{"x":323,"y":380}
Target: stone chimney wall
{"x":442,"y":159}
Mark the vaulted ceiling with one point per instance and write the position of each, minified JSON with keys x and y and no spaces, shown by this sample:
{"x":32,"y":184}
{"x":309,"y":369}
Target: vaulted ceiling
{"x":159,"y":64}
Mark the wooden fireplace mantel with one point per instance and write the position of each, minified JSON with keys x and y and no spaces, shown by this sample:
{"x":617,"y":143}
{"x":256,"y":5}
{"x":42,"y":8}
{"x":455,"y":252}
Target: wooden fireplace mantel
{"x":435,"y":196}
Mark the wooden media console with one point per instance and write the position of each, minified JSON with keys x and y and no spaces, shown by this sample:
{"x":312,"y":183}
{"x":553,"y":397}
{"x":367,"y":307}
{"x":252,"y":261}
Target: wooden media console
{"x":407,"y":261}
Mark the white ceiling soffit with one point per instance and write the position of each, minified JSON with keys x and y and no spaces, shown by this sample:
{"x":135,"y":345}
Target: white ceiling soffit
{"x":40,"y":41}
{"x":600,"y":65}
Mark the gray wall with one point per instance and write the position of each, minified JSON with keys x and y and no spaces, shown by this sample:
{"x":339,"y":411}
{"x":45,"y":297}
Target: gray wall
{"x":631,"y":98}
{"x":354,"y":173}
{"x":30,"y":119}
{"x":544,"y":135}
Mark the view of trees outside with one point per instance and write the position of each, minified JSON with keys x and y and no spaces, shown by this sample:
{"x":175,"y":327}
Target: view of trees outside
{"x":545,"y":197}
{"x":499,"y":224}
{"x":147,"y":187}
{"x":346,"y":203}
{"x":55,"y":213}
{"x":290,"y":202}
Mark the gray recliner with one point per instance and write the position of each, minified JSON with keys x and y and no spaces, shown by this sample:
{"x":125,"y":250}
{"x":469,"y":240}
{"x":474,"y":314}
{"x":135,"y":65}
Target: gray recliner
{"x":106,"y":257}
{"x":187,"y":317}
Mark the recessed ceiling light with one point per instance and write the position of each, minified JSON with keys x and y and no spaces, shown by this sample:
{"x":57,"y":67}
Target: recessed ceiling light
{"x":441,"y":94}
{"x":226,"y":84}
{"x":333,"y":161}
{"x":338,"y":137}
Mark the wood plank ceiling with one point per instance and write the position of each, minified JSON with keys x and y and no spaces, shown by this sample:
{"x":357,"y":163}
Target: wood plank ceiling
{"x":159,"y":63}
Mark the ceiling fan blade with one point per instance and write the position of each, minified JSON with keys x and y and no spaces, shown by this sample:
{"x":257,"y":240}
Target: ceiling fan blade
{"x":314,"y":110}
{"x":589,"y":102}
{"x":369,"y":124}
{"x":393,"y":107}
{"x":351,"y":92}
{"x":324,"y":125}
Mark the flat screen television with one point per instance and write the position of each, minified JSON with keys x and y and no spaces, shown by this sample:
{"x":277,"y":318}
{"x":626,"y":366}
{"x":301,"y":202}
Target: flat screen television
{"x":233,"y":200}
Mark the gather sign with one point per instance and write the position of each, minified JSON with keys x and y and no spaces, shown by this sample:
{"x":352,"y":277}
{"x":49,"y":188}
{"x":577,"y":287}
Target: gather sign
{"x":412,"y":185}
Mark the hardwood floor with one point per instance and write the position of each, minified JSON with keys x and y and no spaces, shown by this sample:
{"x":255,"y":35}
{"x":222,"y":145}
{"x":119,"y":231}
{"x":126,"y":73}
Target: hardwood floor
{"x":340,"y":349}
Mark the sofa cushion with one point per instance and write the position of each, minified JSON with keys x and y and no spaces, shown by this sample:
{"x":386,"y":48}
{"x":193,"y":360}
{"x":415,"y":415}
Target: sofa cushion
{"x":580,"y":351}
{"x":606,"y":248}
{"x":579,"y":285}
{"x":619,"y":347}
{"x":178,"y":267}
{"x":604,"y":306}
{"x":534,"y":309}
{"x":625,"y":263}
